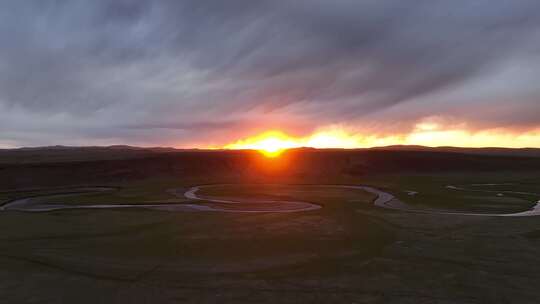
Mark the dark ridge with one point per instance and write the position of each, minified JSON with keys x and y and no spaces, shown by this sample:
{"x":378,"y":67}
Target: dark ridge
{"x":301,"y":162}
{"x":526,"y":152}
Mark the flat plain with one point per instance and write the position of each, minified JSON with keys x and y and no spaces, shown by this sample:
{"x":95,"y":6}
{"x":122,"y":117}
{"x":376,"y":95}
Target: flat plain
{"x":346,"y":251}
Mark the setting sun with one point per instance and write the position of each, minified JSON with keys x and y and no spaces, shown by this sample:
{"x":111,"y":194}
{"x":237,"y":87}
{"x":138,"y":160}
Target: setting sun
{"x":270,"y":144}
{"x":271,"y":147}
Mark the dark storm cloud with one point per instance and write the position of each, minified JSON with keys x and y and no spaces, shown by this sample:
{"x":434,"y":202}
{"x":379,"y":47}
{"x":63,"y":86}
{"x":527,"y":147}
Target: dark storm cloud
{"x":186,"y":126}
{"x":116,"y":70}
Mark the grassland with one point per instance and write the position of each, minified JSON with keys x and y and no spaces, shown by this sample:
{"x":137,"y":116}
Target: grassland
{"x":325,"y":196}
{"x":432,"y":191}
{"x":346,"y":252}
{"x":484,"y":193}
{"x":137,"y":192}
{"x":98,"y":252}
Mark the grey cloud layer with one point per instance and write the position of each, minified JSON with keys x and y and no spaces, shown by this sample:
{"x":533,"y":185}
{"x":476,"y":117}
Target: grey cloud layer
{"x":153,"y":71}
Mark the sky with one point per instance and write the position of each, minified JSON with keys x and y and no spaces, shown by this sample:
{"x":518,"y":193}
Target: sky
{"x":195,"y":73}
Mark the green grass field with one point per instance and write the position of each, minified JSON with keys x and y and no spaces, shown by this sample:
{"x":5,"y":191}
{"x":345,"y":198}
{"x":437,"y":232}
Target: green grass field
{"x":328,"y":197}
{"x":349,"y":251}
{"x":431,"y":191}
{"x":138,"y":192}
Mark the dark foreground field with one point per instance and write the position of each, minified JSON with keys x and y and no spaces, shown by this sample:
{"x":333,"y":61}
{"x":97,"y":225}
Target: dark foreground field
{"x":348,"y":251}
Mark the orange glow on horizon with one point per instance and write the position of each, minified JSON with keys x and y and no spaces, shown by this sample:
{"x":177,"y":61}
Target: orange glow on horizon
{"x":270,"y":144}
{"x":273,"y":143}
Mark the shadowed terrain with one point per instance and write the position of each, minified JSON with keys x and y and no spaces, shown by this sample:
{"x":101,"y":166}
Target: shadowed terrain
{"x":347,"y":251}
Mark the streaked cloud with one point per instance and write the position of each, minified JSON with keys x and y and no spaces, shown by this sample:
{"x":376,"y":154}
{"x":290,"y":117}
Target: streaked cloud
{"x":194,"y":72}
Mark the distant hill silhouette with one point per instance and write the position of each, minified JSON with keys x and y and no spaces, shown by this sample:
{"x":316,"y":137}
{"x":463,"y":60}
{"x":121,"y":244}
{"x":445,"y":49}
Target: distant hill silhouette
{"x":528,"y":152}
{"x":59,"y":153}
{"x":90,"y":165}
